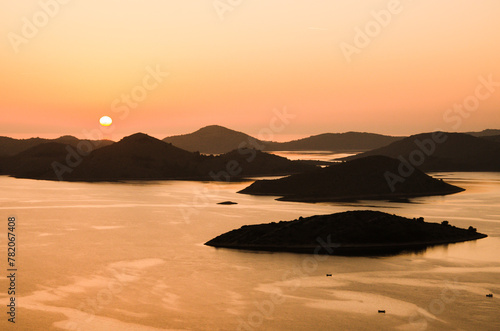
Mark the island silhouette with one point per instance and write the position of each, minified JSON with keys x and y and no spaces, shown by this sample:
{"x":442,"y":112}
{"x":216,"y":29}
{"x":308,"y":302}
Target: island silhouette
{"x":236,"y":156}
{"x":441,"y":151}
{"x":348,"y":233}
{"x":142,"y":157}
{"x":367,"y":178}
{"x":216,"y":139}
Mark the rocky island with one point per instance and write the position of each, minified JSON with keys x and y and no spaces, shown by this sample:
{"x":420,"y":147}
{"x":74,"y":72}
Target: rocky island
{"x":369,"y":178}
{"x":347,"y":233}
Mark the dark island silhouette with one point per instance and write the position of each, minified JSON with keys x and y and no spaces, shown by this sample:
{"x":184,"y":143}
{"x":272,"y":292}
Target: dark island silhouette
{"x":216,"y":139}
{"x":347,"y":233}
{"x":141,"y":157}
{"x":361,"y":179}
{"x":335,"y":142}
{"x":35,"y":162}
{"x":485,"y":133}
{"x":11,"y":146}
{"x":439,"y":151}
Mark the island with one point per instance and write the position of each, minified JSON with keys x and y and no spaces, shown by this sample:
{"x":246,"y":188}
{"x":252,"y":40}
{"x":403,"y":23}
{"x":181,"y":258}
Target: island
{"x":443,"y":151}
{"x":141,"y":157}
{"x":357,"y":233}
{"x":369,"y":178}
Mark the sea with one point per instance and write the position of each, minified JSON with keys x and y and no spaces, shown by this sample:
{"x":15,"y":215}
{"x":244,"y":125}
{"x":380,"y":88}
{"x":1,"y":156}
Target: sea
{"x":131,"y":256}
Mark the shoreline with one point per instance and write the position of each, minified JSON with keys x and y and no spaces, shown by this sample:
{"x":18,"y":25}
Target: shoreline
{"x":280,"y":197}
{"x":365,"y":197}
{"x":350,"y":249}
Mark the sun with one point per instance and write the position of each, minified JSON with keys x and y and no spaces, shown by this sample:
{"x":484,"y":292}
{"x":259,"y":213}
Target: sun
{"x":106,"y":121}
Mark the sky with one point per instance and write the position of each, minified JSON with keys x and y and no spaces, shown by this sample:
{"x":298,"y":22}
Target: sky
{"x":271,"y":68}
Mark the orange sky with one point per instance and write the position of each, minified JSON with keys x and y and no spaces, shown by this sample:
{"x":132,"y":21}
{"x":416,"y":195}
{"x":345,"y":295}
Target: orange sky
{"x":237,"y":65}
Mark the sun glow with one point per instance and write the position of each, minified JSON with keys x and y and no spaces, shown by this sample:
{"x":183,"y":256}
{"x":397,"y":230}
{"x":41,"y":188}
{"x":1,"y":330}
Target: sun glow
{"x":106,"y":121}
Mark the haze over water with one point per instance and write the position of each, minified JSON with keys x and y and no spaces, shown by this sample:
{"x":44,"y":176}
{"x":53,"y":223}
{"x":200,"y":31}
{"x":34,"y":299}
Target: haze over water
{"x":130,"y":256}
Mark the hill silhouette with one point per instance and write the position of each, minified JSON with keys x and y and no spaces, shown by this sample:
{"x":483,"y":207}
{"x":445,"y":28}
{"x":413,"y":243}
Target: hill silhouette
{"x":213,"y":139}
{"x":141,"y":157}
{"x":451,"y":152}
{"x":484,"y":133}
{"x":35,"y":162}
{"x":361,"y":179}
{"x":11,"y":146}
{"x":252,"y":162}
{"x":349,"y":141}
{"x":138,"y":156}
{"x":348,"y":233}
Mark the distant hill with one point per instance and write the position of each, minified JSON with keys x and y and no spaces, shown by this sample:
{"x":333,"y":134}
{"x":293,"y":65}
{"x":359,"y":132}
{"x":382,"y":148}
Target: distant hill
{"x":362,"y":232}
{"x":361,"y":179}
{"x":485,"y":133}
{"x":213,"y":139}
{"x":141,"y":157}
{"x":459,"y":152}
{"x":252,"y":163}
{"x":35,"y":162}
{"x":11,"y":146}
{"x":138,"y":156}
{"x":349,"y":141}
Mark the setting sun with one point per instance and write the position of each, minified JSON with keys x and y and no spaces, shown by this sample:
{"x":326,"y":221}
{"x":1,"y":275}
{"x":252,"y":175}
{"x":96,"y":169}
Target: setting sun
{"x":106,"y":121}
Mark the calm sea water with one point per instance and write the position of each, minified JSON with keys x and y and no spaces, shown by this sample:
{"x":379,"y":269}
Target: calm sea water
{"x":130,"y":256}
{"x":312,"y":155}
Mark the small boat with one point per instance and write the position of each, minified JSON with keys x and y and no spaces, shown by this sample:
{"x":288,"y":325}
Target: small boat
{"x":381,"y":311}
{"x":489,"y":295}
{"x":328,"y":275}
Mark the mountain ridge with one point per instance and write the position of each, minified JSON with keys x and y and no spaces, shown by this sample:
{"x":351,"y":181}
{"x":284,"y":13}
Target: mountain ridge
{"x":142,"y":157}
{"x":443,"y":151}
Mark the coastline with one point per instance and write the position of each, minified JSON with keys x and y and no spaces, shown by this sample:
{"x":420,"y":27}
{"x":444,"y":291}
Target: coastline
{"x":363,"y":197}
{"x":350,"y":249}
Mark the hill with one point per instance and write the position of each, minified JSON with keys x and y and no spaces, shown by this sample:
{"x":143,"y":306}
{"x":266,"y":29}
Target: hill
{"x":348,"y":233}
{"x":138,"y":156}
{"x":213,"y":139}
{"x":35,"y":162}
{"x":440,"y":151}
{"x":249,"y":162}
{"x":485,"y":133}
{"x":11,"y":146}
{"x":361,"y":179}
{"x":349,"y":141}
{"x":141,"y":157}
